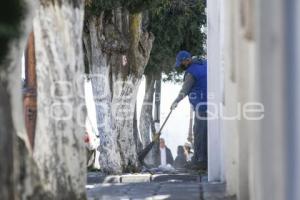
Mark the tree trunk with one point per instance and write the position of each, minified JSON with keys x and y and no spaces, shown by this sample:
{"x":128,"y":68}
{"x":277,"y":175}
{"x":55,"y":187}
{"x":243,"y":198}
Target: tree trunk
{"x":60,"y":151}
{"x":18,"y":175}
{"x":157,"y":101}
{"x":98,"y":61}
{"x":118,"y":50}
{"x":126,"y":78}
{"x":7,"y":135}
{"x":146,"y":117}
{"x":152,"y":159}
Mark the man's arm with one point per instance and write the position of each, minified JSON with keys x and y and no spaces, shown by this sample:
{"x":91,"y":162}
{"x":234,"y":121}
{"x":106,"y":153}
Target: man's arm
{"x":189,"y":81}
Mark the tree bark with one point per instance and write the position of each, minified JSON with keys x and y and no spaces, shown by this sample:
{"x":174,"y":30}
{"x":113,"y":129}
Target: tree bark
{"x":126,"y":78}
{"x":98,"y":61}
{"x":18,"y":174}
{"x":153,"y":157}
{"x":146,"y":117}
{"x":7,"y":137}
{"x":157,"y":100}
{"x":60,"y":151}
{"x":118,"y":50}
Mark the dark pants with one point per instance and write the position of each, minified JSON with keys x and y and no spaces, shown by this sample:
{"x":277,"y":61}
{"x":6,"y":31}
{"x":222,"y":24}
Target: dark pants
{"x":200,"y":139}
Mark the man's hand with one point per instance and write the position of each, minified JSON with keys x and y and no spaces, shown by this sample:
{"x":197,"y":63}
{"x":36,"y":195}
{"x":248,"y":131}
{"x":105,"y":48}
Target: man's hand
{"x":174,"y":105}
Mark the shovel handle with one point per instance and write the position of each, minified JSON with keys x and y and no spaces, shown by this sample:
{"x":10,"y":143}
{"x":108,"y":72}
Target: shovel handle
{"x":159,"y":132}
{"x":145,"y":151}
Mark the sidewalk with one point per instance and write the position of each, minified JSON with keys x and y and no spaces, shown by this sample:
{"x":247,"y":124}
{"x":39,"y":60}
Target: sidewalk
{"x":153,"y":187}
{"x":214,"y":191}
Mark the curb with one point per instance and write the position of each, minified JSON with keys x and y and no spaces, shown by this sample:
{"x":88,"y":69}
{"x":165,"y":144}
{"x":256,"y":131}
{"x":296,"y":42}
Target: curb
{"x":96,"y":178}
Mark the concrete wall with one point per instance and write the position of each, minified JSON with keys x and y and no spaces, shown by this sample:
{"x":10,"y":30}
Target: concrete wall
{"x":274,"y":130}
{"x":257,"y":45}
{"x":214,"y":90}
{"x":239,"y":65}
{"x":292,"y":52}
{"x":230,"y":139}
{"x":296,"y":183}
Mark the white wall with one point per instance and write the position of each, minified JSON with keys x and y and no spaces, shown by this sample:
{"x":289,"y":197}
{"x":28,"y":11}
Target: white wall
{"x":239,"y":65}
{"x":297,"y":99}
{"x":230,"y":147}
{"x":272,"y":134}
{"x":260,"y":54}
{"x":214,"y":90}
{"x":239,"y":79}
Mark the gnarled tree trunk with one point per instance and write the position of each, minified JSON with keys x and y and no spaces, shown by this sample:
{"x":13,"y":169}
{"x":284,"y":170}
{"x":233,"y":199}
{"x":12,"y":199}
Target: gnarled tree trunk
{"x":117,"y":50}
{"x":100,"y":74}
{"x":59,"y":147}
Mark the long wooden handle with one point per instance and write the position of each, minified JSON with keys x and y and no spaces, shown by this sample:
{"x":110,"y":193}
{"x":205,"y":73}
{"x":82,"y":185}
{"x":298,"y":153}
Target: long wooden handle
{"x":146,"y":150}
{"x":165,"y":121}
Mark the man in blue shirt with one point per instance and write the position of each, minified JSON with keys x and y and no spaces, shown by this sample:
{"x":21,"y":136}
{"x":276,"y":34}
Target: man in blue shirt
{"x":195,"y":86}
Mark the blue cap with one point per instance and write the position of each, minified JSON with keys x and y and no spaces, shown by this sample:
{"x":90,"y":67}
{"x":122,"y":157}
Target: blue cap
{"x":181,"y":56}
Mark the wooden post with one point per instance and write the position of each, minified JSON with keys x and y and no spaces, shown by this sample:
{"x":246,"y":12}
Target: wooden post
{"x":29,"y":91}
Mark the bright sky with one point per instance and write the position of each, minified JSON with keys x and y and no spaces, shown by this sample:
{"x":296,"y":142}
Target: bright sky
{"x":176,"y":130}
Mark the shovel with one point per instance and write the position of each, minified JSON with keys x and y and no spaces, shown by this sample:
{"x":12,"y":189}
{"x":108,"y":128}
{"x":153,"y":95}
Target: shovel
{"x":146,"y":150}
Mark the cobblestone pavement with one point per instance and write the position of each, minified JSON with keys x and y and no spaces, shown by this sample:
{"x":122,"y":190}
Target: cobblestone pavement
{"x":158,"y":187}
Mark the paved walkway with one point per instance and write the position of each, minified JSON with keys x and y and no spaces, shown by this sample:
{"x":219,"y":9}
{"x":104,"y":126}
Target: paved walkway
{"x":153,"y":187}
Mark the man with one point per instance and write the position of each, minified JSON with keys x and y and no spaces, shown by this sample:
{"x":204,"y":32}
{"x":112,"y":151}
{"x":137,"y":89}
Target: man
{"x":180,"y":161}
{"x":188,"y":151}
{"x":165,"y":154}
{"x":195,"y":86}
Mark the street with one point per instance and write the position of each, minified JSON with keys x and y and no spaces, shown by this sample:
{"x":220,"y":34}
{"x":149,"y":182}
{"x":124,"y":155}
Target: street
{"x":153,"y":187}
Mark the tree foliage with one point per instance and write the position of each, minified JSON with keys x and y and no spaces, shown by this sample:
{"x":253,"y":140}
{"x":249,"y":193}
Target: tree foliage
{"x":10,"y":23}
{"x":134,"y":6}
{"x":176,"y":25}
